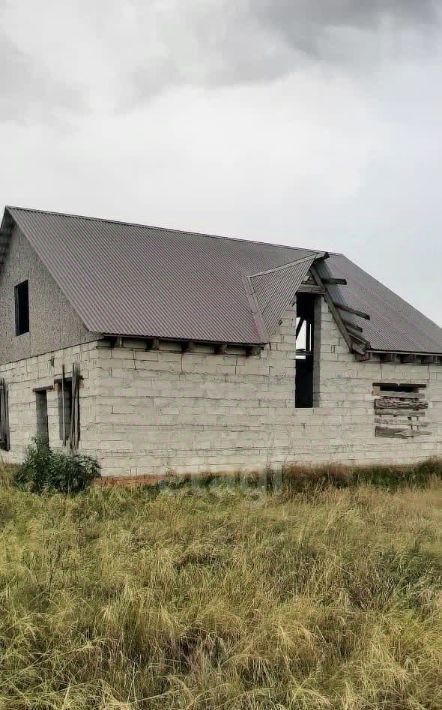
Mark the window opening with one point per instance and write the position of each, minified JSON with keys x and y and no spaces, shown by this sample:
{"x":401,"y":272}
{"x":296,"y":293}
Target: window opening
{"x":41,"y":402}
{"x":21,"y":294}
{"x":305,"y":350}
{"x":400,"y":410}
{"x":65,"y":408}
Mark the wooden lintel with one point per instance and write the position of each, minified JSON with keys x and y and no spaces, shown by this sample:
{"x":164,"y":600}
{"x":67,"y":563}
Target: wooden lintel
{"x":311,"y":288}
{"x":57,"y":381}
{"x":335,"y":282}
{"x":348,"y":309}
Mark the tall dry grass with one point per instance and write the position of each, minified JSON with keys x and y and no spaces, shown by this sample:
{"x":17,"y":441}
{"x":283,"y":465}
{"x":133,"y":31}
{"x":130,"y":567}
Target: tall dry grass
{"x":221,"y":599}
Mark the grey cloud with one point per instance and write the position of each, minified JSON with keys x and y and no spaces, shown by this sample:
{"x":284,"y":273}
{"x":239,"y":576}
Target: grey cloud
{"x":287,"y":15}
{"x":304,"y":24}
{"x":163,"y":44}
{"x":26,"y":89}
{"x":230,"y":42}
{"x":26,"y":92}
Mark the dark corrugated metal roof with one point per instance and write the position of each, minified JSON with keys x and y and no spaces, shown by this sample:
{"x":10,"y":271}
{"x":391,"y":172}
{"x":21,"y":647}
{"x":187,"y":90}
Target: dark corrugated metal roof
{"x":135,"y":280}
{"x":129,"y":279}
{"x":394,"y":324}
{"x":275,"y":290}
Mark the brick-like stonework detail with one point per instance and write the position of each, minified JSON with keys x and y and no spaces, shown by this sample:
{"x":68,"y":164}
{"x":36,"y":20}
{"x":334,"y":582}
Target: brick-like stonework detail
{"x":148,"y":412}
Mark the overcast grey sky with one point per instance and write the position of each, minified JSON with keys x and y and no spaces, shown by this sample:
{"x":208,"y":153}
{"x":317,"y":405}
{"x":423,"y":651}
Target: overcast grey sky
{"x":315,"y":123}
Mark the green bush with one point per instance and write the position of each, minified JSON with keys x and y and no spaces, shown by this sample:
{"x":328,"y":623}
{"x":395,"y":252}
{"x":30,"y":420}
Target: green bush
{"x":45,"y":470}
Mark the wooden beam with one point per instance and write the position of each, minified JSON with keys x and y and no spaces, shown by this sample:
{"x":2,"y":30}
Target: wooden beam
{"x":352,"y":326}
{"x":388,"y":357}
{"x":411,"y":358}
{"x":253,"y":350}
{"x":188,"y":346}
{"x":360,"y":339}
{"x":364,"y":358}
{"x":311,"y":288}
{"x":153,"y":344}
{"x":359,"y":349}
{"x":336,"y":315}
{"x":355,"y":312}
{"x":429,"y":359}
{"x":335,"y":282}
{"x":221,"y":348}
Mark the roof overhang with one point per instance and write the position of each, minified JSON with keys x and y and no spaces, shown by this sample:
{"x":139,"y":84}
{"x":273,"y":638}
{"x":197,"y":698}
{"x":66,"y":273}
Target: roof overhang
{"x":6,"y":229}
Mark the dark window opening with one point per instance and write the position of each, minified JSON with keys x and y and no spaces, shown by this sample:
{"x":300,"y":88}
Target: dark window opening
{"x":21,"y":293}
{"x":41,"y":402}
{"x":386,"y":387}
{"x":305,"y":350}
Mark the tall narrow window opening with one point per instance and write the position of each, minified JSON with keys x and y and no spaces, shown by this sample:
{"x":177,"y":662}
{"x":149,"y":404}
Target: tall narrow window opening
{"x":305,"y":350}
{"x":69,"y":407}
{"x":21,"y":293}
{"x":41,"y":402}
{"x":65,"y":408}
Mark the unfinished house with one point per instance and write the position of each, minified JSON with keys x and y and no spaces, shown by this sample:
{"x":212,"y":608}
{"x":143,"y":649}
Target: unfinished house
{"x":158,"y":350}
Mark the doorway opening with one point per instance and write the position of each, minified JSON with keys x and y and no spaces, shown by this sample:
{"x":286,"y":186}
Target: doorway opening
{"x":41,"y":401}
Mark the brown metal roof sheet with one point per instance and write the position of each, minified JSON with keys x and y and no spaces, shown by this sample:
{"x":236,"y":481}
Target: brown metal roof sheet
{"x":394,"y":325}
{"x":129,"y":279}
{"x":276,"y":289}
{"x":135,"y":280}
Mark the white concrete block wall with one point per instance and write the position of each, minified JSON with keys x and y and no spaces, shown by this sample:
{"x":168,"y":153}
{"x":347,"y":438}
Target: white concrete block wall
{"x":149,"y":412}
{"x":193,"y":412}
{"x":24,"y":376}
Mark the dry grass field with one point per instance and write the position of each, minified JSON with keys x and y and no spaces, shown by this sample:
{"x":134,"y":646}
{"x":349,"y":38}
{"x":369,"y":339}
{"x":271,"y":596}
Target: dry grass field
{"x":221,"y":598}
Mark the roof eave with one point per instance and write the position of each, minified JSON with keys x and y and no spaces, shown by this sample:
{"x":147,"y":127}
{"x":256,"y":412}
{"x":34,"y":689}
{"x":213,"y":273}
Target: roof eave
{"x":199,"y":341}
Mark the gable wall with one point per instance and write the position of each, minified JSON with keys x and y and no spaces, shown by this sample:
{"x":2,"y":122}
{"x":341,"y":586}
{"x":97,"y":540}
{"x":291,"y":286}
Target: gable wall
{"x":53,"y":322}
{"x":194,"y":412}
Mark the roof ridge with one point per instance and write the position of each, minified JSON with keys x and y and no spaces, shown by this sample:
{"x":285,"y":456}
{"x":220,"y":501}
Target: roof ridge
{"x":287,"y":265}
{"x":165,"y":229}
